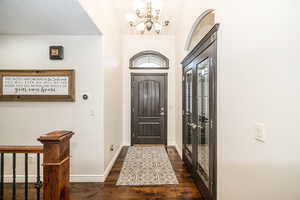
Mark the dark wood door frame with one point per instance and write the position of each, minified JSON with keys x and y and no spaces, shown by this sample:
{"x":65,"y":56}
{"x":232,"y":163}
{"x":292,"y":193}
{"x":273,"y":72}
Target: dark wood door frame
{"x":165,"y":103}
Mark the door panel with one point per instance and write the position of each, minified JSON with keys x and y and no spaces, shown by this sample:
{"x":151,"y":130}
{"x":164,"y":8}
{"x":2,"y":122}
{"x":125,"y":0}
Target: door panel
{"x":149,"y":103}
{"x":199,"y":120}
{"x":188,"y":114}
{"x":203,"y":120}
{"x":205,"y":163}
{"x":149,"y":98}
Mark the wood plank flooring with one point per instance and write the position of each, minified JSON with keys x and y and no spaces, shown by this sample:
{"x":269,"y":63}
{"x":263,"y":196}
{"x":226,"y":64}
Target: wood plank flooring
{"x":185,"y":190}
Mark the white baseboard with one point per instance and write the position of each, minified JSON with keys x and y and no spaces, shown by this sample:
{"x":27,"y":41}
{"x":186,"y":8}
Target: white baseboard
{"x":97,"y":178}
{"x":87,"y":178}
{"x":174,"y":144}
{"x":179,"y":151}
{"x":73,"y":177}
{"x":112,"y":162}
{"x":20,"y":178}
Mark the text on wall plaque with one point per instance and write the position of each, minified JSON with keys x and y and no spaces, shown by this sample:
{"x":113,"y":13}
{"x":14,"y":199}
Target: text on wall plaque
{"x":37,"y":85}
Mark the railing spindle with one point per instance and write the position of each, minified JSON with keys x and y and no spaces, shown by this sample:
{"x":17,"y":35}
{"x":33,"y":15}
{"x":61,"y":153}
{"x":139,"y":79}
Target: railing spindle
{"x":14,"y":150}
{"x":2,"y":177}
{"x":38,"y":184}
{"x":14,"y":177}
{"x":26,"y":176}
{"x":56,"y":151}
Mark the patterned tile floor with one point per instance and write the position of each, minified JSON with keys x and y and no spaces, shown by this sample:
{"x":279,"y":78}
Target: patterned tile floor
{"x":147,"y":165}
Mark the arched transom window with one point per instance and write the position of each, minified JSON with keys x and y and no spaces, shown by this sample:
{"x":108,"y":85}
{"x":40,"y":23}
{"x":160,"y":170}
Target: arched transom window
{"x":149,"y":60}
{"x":204,"y":23}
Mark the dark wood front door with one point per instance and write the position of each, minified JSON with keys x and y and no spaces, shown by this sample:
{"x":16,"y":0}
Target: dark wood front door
{"x":148,"y":108}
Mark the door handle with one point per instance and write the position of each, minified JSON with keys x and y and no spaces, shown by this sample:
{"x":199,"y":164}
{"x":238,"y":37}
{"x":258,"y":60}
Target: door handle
{"x":194,"y":126}
{"x":162,"y":111}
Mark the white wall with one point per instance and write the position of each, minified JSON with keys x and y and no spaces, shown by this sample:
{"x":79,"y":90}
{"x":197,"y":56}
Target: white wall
{"x":99,"y":120}
{"x":258,"y":67}
{"x":103,"y":15}
{"x":23,"y":122}
{"x":132,"y":45}
{"x":52,"y":18}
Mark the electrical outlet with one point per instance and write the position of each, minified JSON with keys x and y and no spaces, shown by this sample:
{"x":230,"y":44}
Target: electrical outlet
{"x":260,"y":134}
{"x":111,"y":147}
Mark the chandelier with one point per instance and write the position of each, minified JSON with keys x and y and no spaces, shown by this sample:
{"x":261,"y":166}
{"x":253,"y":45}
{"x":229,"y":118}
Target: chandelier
{"x":147,"y":16}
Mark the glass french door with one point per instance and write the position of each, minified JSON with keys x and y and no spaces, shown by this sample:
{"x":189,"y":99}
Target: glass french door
{"x":200,"y":114}
{"x":203,"y":121}
{"x":188,"y":137}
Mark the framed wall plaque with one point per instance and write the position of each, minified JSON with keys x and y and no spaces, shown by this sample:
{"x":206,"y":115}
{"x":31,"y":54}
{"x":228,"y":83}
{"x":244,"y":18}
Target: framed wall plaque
{"x":37,"y":85}
{"x":56,"y":52}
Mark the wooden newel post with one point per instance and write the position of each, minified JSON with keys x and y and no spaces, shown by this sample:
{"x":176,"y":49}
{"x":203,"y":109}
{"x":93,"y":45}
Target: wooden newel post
{"x":56,"y":182}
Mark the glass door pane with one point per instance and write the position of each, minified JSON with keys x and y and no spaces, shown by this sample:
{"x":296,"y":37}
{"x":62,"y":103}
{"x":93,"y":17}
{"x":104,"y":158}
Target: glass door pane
{"x":203,"y":121}
{"x":189,"y":112}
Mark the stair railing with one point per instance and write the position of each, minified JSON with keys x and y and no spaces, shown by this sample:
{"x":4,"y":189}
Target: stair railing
{"x":56,"y":167}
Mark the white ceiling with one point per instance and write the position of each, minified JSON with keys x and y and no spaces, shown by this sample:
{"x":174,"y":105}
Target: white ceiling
{"x":58,"y":17}
{"x":170,"y":11}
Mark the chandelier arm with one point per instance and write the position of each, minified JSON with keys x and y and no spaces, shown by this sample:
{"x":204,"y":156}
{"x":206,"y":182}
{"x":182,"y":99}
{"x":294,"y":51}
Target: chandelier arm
{"x":166,"y":23}
{"x":156,"y":20}
{"x":137,"y":23}
{"x":140,"y":14}
{"x":157,"y":14}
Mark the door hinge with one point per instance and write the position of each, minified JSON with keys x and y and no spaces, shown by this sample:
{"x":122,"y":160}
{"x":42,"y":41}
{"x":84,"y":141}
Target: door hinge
{"x":183,"y":78}
{"x":211,"y":62}
{"x":133,"y":110}
{"x":211,"y":123}
{"x":213,"y":37}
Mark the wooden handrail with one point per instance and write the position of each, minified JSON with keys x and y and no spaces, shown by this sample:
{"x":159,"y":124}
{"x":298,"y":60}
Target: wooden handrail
{"x":55,"y":136}
{"x":21,"y":149}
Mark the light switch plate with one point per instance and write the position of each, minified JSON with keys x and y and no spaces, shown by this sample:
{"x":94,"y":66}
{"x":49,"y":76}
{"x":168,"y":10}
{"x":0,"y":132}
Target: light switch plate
{"x":260,"y":134}
{"x":92,"y":112}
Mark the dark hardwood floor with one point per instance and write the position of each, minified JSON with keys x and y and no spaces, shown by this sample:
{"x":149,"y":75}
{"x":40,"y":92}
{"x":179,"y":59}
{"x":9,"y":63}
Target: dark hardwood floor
{"x":185,"y":190}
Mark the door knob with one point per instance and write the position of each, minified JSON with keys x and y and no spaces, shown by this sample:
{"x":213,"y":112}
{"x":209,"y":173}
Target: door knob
{"x":194,"y":126}
{"x":199,"y":126}
{"x":162,"y":111}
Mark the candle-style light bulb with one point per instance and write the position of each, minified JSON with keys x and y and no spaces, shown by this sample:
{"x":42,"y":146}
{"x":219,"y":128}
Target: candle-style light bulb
{"x":131,"y":17}
{"x":138,"y":5}
{"x":157,"y":4}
